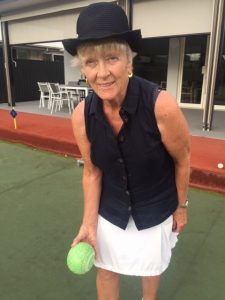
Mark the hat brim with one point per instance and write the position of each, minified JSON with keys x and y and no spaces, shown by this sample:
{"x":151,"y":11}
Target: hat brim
{"x":132,"y":37}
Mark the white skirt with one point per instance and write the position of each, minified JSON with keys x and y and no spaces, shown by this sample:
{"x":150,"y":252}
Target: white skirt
{"x":132,"y":252}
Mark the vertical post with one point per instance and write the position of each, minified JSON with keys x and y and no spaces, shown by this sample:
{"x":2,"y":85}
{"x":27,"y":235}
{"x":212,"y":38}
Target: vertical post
{"x":6,"y":54}
{"x":210,"y":62}
{"x":215,"y":64}
{"x":130,"y":14}
{"x":128,"y":8}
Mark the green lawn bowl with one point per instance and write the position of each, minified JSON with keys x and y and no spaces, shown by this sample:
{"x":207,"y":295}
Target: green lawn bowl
{"x":80,"y":258}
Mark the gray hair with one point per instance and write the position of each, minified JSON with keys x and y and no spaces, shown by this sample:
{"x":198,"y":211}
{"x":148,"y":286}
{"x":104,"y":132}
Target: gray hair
{"x":101,"y":47}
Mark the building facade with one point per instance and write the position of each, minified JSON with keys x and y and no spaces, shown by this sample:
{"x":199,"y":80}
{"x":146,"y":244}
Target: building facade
{"x":182,"y":49}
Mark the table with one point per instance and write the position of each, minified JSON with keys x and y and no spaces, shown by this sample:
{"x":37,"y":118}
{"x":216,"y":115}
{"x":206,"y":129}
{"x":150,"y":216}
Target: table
{"x":75,"y":88}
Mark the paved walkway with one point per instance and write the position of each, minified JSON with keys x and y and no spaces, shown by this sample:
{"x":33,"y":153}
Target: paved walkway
{"x":55,"y":134}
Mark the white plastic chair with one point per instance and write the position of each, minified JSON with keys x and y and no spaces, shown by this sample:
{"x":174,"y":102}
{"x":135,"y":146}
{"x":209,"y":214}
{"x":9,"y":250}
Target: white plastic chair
{"x":58,"y":97}
{"x":73,"y":94}
{"x":44,"y":94}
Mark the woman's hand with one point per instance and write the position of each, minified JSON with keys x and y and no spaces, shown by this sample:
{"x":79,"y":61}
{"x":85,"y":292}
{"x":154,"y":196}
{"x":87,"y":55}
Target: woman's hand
{"x":179,"y":219}
{"x":86,"y":234}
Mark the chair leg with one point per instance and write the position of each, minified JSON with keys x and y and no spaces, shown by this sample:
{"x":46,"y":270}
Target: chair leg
{"x":53,"y":102}
{"x":49,"y":102}
{"x":58,"y":105}
{"x":69,"y":105}
{"x":41,"y":103}
{"x":72,"y":104}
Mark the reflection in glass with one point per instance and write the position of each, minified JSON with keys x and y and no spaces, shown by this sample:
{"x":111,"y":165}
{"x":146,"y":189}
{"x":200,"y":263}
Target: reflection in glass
{"x":152,"y":61}
{"x":194,"y":60}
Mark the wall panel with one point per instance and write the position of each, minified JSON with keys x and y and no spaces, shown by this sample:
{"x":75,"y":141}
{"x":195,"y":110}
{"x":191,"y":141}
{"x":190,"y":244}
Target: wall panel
{"x":54,"y":27}
{"x":172,"y":17}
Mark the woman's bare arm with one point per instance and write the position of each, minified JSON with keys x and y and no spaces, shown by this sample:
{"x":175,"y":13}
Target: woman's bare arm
{"x":175,"y":136}
{"x":92,"y":177}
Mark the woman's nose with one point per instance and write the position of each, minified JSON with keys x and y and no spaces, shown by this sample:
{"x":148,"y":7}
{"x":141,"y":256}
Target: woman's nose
{"x":103,"y":70}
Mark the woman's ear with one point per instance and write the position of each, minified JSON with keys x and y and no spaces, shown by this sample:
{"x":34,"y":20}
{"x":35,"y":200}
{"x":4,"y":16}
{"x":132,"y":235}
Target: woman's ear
{"x":130,"y":69}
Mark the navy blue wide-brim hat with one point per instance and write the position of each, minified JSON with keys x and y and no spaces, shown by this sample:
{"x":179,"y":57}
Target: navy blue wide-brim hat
{"x":101,"y":21}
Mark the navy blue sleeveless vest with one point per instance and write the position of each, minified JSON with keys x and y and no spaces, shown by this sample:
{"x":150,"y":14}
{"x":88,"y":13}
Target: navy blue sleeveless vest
{"x":138,"y":172}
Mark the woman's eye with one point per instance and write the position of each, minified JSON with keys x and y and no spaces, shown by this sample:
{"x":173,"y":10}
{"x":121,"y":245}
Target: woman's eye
{"x":91,"y":63}
{"x":112,"y":59}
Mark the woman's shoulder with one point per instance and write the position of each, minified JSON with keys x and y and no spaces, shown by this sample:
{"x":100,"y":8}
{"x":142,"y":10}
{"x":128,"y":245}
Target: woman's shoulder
{"x":78,"y":114}
{"x":148,"y":91}
{"x":166,"y":108}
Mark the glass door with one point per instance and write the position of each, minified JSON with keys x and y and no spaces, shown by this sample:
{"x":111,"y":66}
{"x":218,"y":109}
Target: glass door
{"x":193,"y":70}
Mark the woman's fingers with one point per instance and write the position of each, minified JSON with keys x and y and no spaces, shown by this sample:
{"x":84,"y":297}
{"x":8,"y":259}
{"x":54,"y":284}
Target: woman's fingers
{"x":179,"y":219}
{"x":76,"y":241}
{"x":87,"y":236}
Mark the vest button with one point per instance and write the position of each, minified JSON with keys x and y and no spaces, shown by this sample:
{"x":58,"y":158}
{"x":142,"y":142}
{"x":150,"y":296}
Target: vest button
{"x":129,"y":208}
{"x":120,"y":160}
{"x":125,"y":118}
{"x":128,"y":193}
{"x":121,"y":138}
{"x":124,"y":177}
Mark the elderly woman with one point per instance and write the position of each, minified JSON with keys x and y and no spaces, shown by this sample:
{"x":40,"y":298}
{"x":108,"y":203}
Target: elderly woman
{"x":135,"y":144}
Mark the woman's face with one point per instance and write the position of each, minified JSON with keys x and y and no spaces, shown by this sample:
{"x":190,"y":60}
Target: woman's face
{"x":107,"y":72}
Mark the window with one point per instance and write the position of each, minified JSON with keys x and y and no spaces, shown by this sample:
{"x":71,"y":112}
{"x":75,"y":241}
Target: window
{"x":194,"y":61}
{"x":152,"y":61}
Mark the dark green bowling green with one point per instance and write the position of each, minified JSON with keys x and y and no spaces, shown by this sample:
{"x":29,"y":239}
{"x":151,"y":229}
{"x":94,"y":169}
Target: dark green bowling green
{"x":41,"y":209}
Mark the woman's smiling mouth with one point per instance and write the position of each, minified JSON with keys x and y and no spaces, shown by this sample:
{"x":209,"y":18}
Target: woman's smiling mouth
{"x":105,"y":85}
